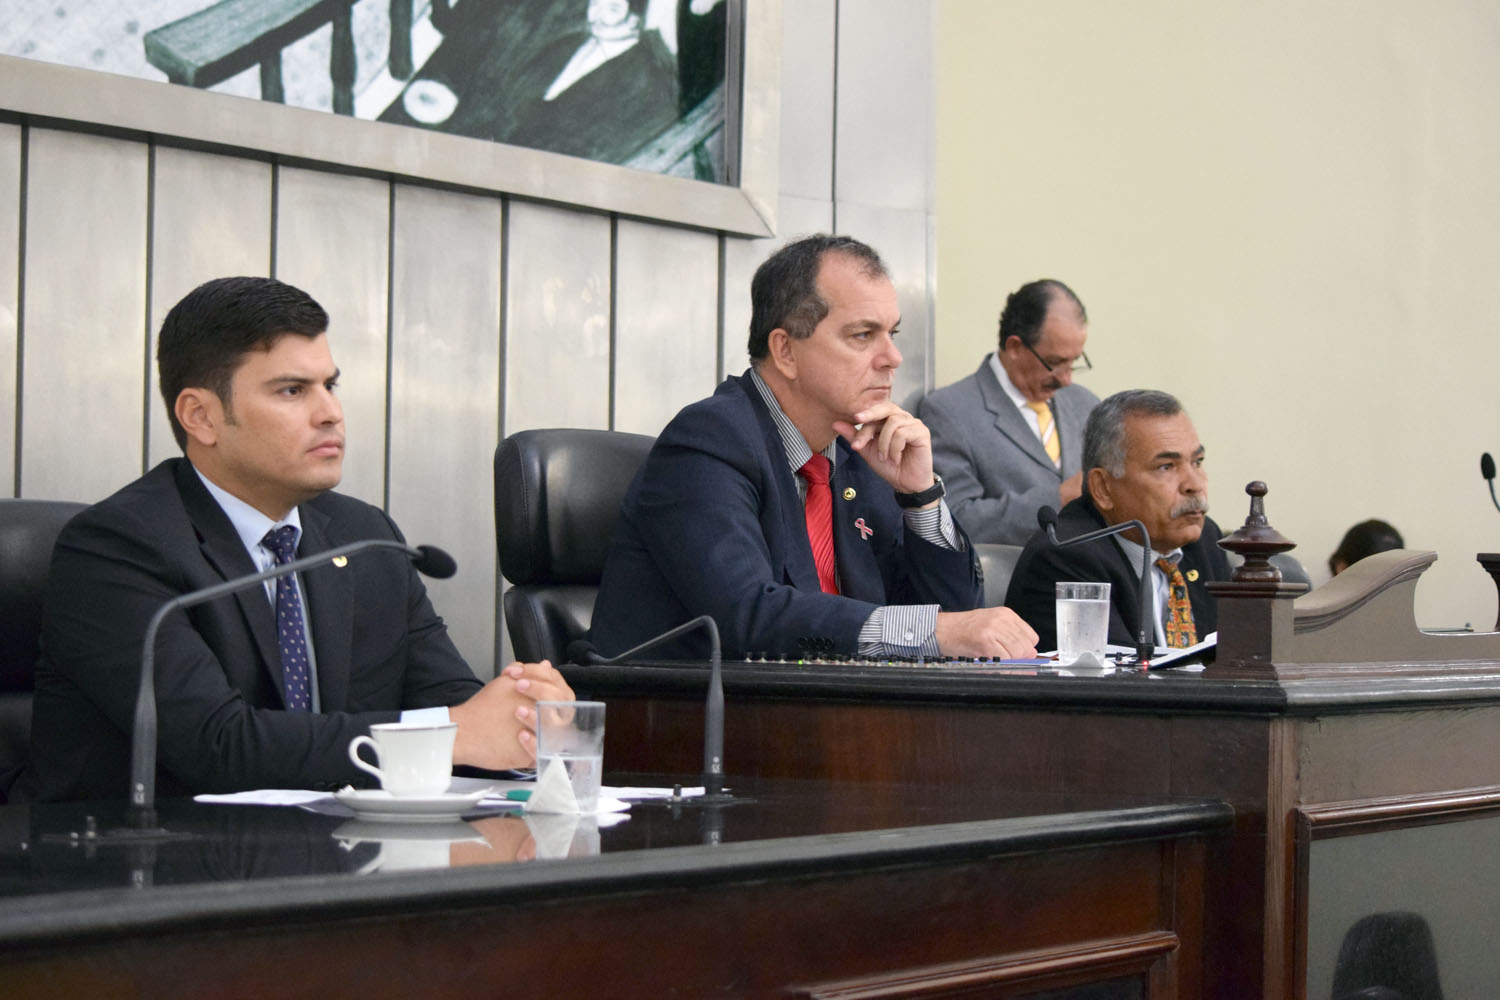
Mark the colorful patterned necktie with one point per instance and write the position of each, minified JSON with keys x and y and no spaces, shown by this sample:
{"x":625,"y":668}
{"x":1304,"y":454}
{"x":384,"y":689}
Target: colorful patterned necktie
{"x":282,"y":543}
{"x":1180,"y":629}
{"x":819,"y":512}
{"x":1046,"y":430}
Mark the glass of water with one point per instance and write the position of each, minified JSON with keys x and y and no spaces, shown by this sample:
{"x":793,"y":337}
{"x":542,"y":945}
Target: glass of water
{"x":1082,"y":621}
{"x":572,"y":733}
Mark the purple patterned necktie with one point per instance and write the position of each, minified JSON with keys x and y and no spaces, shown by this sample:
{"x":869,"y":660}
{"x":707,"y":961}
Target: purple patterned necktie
{"x":282,"y":542}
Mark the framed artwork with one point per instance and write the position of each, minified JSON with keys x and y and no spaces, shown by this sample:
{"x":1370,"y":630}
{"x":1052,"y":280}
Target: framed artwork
{"x":664,"y":109}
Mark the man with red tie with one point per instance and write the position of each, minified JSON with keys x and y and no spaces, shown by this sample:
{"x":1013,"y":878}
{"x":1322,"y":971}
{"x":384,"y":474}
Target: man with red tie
{"x":797,"y":505}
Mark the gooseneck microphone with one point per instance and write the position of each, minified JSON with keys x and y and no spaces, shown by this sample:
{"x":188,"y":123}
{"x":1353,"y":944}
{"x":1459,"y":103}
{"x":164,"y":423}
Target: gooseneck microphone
{"x":1487,"y":470}
{"x":713,"y":708}
{"x":141,"y":817}
{"x":1145,"y":632}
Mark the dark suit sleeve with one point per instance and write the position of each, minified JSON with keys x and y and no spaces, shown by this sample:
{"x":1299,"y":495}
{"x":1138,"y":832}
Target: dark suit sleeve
{"x":936,"y":574}
{"x":433,"y":671}
{"x":220,"y":724}
{"x":1032,"y":593}
{"x":1002,"y":517}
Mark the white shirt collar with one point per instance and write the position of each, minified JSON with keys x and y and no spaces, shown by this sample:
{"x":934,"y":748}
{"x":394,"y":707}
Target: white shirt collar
{"x":250,"y":524}
{"x":1016,"y":396}
{"x":798,"y":451}
{"x":1133,"y":552}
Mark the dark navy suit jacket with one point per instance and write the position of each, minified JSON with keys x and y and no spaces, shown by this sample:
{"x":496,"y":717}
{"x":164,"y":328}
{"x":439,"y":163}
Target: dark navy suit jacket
{"x":713,"y":525}
{"x":1042,"y":564}
{"x":380,"y":648}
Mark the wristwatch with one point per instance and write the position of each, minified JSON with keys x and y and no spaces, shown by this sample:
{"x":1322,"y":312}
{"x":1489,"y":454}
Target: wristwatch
{"x":931,"y":493}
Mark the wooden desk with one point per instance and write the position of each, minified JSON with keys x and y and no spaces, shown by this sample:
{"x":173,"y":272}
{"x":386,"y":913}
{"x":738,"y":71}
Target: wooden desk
{"x":795,"y":888}
{"x":1296,"y":757}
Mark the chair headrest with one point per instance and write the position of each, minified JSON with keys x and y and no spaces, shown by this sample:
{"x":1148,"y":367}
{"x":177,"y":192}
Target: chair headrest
{"x":557,"y":499}
{"x":28,"y":530}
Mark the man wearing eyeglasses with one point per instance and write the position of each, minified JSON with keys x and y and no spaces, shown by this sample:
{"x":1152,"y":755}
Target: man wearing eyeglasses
{"x":1007,"y":440}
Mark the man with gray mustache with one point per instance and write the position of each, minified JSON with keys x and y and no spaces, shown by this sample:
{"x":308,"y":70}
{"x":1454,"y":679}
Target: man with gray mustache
{"x":1142,"y":461}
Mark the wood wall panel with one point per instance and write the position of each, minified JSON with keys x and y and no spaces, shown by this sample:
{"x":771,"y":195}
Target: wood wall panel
{"x":10,"y":289}
{"x":211,"y":219}
{"x":445,"y":397}
{"x":666,"y":323}
{"x":333,"y":242}
{"x":557,"y":318}
{"x":84,"y":377}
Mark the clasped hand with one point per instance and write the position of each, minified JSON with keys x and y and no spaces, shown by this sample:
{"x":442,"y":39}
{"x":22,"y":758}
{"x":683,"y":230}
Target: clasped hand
{"x":496,"y":726}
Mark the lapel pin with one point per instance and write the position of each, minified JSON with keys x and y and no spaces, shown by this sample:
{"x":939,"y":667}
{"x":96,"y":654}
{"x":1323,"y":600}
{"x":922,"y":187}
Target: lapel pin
{"x":1192,"y":576}
{"x":865,"y":531}
{"x":849,"y":493}
{"x":340,"y":561}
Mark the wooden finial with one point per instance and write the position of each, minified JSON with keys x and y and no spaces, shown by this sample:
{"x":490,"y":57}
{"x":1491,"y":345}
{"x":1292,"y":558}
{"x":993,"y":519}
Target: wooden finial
{"x":1256,"y":541}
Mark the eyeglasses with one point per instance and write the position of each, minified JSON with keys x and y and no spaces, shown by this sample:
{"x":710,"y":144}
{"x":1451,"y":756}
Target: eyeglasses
{"x":1080,"y":363}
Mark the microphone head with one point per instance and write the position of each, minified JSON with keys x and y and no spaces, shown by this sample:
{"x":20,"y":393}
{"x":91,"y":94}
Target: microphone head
{"x":1046,"y":518}
{"x":434,"y":562}
{"x":1487,"y":466}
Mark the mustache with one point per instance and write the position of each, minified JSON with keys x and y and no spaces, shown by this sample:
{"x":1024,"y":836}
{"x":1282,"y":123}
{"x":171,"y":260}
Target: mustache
{"x":1192,"y":505}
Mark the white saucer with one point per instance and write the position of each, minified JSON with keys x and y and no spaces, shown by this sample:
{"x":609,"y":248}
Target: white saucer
{"x":379,"y":804}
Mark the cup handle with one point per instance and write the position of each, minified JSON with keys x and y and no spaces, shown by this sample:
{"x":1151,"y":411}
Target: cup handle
{"x":359,"y":761}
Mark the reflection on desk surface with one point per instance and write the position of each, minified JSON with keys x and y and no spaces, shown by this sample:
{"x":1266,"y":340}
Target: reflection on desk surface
{"x":46,"y":849}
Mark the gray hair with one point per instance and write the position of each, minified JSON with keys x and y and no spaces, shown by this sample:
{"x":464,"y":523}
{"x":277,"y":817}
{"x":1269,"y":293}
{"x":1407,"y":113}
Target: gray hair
{"x":1104,"y":434}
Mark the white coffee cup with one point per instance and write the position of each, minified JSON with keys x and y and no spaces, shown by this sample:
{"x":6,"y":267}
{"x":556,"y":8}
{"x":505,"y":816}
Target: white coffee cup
{"x":415,"y":758}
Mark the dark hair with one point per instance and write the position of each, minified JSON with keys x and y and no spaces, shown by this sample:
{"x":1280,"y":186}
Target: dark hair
{"x":784,"y":291}
{"x":1104,"y":432}
{"x":1365,"y":539}
{"x":1026,"y":310}
{"x":208,"y":333}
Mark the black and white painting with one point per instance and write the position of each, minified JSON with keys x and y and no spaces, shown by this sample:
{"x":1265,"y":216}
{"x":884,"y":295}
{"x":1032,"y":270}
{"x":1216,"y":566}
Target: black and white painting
{"x":639,"y":83}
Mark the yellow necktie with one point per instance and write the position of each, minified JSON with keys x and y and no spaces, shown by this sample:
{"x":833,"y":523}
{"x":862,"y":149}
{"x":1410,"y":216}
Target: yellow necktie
{"x":1047,"y":430}
{"x":1181,"y":632}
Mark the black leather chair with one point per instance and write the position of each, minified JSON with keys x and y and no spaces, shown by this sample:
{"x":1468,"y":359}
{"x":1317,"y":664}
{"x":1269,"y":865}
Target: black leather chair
{"x":28,"y":530}
{"x":557,"y":499}
{"x":998,"y":563}
{"x":1388,"y":956}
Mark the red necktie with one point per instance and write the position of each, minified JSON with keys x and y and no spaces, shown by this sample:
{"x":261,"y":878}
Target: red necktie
{"x":819,"y":510}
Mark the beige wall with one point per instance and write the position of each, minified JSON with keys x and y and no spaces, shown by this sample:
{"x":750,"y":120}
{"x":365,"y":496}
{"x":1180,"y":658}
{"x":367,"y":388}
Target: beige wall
{"x":1286,"y":213}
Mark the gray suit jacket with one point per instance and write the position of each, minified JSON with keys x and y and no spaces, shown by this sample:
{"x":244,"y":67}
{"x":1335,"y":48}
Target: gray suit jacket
{"x":997,"y":472}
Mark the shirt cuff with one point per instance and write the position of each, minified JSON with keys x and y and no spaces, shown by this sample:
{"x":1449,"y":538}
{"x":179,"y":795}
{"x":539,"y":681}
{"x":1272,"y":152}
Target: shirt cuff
{"x":427,"y":716}
{"x":906,"y":630}
{"x":934,"y":525}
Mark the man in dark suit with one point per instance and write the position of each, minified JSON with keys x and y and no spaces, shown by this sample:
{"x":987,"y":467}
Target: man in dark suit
{"x":1007,"y":440}
{"x":1142,"y":461}
{"x":248,"y":380}
{"x":735,"y":514}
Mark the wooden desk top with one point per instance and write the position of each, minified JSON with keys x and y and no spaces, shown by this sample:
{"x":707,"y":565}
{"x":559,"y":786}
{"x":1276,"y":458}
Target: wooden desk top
{"x":255,"y":865}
